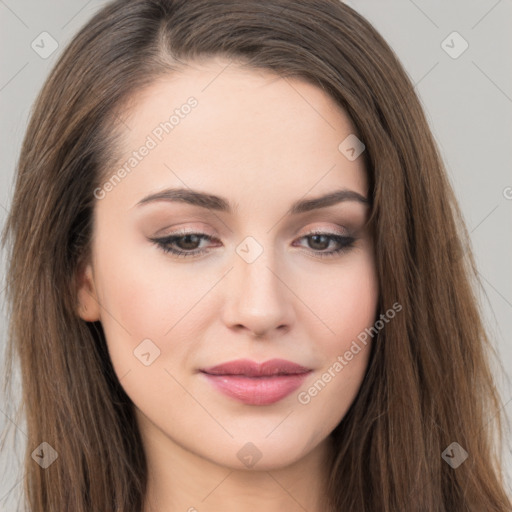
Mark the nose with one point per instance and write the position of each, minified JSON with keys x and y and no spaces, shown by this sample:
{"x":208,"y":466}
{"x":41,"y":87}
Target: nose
{"x":258,"y":297}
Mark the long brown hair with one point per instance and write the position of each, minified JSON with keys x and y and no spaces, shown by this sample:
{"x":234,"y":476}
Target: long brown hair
{"x":429,"y":382}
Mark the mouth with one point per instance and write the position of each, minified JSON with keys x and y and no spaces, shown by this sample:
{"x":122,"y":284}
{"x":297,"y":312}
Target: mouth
{"x":255,"y":383}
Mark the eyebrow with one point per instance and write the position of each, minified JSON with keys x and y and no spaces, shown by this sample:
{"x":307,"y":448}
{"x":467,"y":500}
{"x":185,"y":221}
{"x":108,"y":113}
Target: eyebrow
{"x":221,"y":204}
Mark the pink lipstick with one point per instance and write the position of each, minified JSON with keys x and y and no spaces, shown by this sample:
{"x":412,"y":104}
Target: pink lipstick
{"x":257,"y":383}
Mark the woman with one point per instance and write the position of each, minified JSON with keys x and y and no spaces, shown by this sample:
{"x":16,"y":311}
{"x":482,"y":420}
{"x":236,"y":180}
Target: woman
{"x":235,"y":275}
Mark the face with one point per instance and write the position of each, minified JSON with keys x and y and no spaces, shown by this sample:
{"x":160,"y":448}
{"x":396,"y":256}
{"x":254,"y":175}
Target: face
{"x":238,"y":265}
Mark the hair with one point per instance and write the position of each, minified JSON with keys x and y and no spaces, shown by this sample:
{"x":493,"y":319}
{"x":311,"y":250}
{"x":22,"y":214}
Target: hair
{"x":429,"y":381}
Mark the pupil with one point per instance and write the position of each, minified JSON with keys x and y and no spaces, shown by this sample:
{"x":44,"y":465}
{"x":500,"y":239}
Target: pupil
{"x":315,"y":240}
{"x":187,"y":238}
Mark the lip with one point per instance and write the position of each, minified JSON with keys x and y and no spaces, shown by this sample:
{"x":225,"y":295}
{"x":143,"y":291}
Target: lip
{"x":257,"y":383}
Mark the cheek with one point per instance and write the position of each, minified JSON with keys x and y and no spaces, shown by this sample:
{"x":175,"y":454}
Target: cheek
{"x":139,"y":288}
{"x":139,"y":302}
{"x":349,"y":309}
{"x":345,"y":299}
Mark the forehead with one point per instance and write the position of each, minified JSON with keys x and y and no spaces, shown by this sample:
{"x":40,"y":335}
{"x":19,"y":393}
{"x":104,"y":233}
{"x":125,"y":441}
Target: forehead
{"x":221,"y":127}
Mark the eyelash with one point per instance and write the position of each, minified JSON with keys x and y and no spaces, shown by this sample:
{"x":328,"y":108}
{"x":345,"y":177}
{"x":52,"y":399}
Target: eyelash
{"x":346,"y":243}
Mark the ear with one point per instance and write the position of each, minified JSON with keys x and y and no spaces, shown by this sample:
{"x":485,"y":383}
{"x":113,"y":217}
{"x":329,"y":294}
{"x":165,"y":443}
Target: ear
{"x":88,"y":307}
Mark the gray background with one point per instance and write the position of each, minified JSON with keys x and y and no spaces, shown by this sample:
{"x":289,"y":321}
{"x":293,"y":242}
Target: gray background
{"x":468,"y":101}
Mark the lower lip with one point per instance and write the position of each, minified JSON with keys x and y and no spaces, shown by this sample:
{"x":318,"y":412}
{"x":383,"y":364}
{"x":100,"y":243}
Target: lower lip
{"x":257,"y":390}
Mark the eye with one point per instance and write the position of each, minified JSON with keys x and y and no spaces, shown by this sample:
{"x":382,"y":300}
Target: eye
{"x":320,"y":241}
{"x":189,"y":244}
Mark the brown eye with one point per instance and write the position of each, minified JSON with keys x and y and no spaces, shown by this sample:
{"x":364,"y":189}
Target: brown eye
{"x":188,"y":244}
{"x":319,"y":242}
{"x":183,"y":245}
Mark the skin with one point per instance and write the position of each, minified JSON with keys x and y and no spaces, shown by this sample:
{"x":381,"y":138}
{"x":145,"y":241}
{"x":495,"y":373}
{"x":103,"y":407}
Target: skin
{"x":262,"y":142}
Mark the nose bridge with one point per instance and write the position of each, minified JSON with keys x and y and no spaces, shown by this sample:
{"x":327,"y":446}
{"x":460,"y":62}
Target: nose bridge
{"x":256,"y":269}
{"x":257,"y":293}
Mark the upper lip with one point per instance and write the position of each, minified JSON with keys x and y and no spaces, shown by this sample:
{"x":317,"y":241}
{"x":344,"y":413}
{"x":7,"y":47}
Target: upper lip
{"x":249,"y":368}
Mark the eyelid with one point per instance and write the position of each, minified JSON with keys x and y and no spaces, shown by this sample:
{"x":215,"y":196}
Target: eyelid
{"x":340,"y":231}
{"x":185,"y":231}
